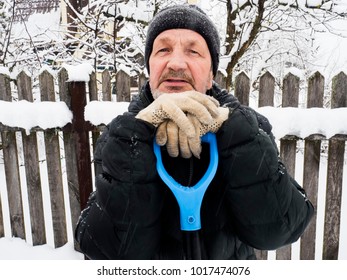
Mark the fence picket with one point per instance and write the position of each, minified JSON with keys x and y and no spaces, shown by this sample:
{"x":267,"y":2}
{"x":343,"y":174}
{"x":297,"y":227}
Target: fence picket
{"x":290,"y":98}
{"x":32,"y":168}
{"x":123,"y":86}
{"x":242,"y":88}
{"x":142,"y":81}
{"x":334,"y":177}
{"x":220,"y":79}
{"x":55,"y":179}
{"x":70,"y":152}
{"x":93,"y":96}
{"x":13,"y":182}
{"x":311,"y":167}
{"x":77,"y":90}
{"x":266,"y":90}
{"x":266,"y":96}
{"x":2,"y":229}
{"x":106,"y":86}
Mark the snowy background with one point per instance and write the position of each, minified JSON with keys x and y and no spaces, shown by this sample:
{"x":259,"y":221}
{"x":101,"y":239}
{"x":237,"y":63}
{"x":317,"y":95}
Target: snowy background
{"x":330,"y":59}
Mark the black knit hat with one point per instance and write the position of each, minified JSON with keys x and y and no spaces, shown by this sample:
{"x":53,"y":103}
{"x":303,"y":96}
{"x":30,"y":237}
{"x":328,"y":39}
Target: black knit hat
{"x":184,"y":17}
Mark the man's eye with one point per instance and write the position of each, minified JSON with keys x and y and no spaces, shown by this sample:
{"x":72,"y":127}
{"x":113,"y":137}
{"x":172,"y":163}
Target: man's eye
{"x":164,"y":50}
{"x":193,"y":51}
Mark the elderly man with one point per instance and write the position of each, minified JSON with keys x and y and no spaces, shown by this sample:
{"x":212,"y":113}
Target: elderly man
{"x":252,"y":202}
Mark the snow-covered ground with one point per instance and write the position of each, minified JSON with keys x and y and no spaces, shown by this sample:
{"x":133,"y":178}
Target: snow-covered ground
{"x":19,"y":249}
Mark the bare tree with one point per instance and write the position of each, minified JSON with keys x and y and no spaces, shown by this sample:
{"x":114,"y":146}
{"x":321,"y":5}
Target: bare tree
{"x":111,"y":34}
{"x":247,"y":20}
{"x":6,"y":20}
{"x":74,"y":7}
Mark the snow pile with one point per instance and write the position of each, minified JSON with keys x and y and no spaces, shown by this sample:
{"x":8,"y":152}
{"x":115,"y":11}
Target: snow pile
{"x":19,"y":249}
{"x":98,"y":113}
{"x":25,"y":114}
{"x":79,"y":73}
{"x":285,"y":121}
{"x":305,"y":122}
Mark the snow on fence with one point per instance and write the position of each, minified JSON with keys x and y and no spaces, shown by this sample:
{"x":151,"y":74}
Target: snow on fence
{"x":77,"y":138}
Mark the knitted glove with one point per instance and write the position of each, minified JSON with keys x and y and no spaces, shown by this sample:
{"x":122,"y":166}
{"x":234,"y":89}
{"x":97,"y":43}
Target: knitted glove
{"x":177,"y":141}
{"x":175,"y":106}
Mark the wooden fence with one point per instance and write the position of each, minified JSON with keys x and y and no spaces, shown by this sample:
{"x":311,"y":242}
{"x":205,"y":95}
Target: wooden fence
{"x":79,"y":166}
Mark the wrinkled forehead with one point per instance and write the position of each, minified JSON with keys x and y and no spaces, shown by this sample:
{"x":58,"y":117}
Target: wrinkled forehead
{"x":185,"y":36}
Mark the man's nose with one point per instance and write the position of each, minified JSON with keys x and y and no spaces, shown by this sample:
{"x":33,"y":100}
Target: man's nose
{"x":177,"y":61}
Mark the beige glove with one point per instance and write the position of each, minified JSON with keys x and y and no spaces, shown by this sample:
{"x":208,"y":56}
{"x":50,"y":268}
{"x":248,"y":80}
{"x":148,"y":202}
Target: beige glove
{"x":177,"y":141}
{"x":175,"y":106}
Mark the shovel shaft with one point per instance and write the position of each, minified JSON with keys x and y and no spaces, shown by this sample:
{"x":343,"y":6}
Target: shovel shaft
{"x":192,"y":245}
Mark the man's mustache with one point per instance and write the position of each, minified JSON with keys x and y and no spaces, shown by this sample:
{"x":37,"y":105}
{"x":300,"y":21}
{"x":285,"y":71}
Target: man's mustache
{"x":176,"y":74}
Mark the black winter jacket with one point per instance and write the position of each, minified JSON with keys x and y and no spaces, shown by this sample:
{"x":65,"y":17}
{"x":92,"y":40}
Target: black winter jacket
{"x":252,"y":202}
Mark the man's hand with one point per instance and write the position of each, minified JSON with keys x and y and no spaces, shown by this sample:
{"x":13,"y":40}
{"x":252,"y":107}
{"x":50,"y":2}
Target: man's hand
{"x":178,"y":142}
{"x":176,"y":106}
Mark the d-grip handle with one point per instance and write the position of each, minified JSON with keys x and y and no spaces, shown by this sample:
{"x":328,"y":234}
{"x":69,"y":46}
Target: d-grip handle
{"x":190,"y":198}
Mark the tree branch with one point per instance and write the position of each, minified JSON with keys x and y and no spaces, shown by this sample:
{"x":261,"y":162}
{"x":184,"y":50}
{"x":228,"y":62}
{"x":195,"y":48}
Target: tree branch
{"x":256,"y":26}
{"x":7,"y":42}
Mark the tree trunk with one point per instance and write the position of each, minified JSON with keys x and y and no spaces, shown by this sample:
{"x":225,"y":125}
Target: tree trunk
{"x":232,"y":34}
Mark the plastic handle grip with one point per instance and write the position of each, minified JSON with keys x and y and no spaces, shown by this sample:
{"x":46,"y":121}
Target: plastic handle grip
{"x":190,"y":198}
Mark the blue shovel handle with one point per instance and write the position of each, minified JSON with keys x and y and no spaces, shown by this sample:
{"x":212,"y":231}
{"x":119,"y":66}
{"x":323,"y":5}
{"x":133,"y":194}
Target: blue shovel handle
{"x":190,"y":198}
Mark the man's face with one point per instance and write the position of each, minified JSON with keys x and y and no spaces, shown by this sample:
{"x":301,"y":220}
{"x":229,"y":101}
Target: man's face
{"x":180,"y":61}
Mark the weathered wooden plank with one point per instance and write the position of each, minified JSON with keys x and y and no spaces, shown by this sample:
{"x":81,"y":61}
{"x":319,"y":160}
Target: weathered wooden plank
{"x":311,"y":168}
{"x":288,"y":153}
{"x":5,"y":86}
{"x":93,"y":96}
{"x":266,"y":90}
{"x":13,"y":182}
{"x":32,"y":168}
{"x":334,"y":177}
{"x":291,"y":86}
{"x":333,"y":200}
{"x":106,"y":86}
{"x":2,"y":85}
{"x":70,"y":152}
{"x":81,"y":138}
{"x":55,"y":179}
{"x":142,"y":81}
{"x":2,"y":229}
{"x":290,"y":98}
{"x":242,"y":88}
{"x":315,"y":90}
{"x":220,"y":79}
{"x":93,"y":87}
{"x":266,"y":95}
{"x":123,"y":86}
